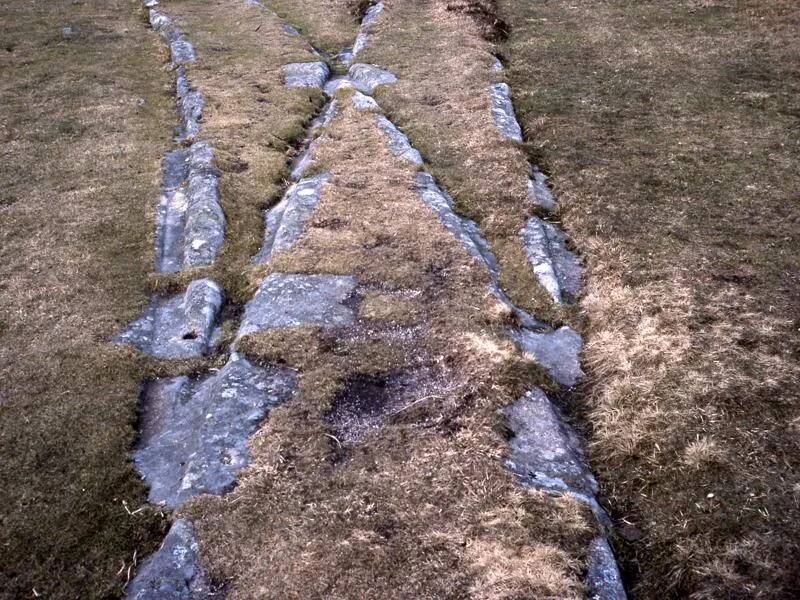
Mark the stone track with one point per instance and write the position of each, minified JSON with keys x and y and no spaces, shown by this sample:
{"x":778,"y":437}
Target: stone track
{"x":194,"y":429}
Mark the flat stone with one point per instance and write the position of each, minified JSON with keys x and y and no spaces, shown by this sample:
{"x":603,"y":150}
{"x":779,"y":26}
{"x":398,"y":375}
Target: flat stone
{"x":194,"y":432}
{"x":190,"y":223}
{"x":291,"y":300}
{"x":398,"y":142}
{"x":363,"y":102}
{"x":557,"y":268}
{"x":337,"y":83}
{"x":538,"y":191}
{"x":310,"y":74}
{"x":603,"y":581}
{"x":178,"y":327}
{"x":558,"y":352}
{"x":465,"y":231}
{"x":365,"y":78}
{"x":503,"y":112}
{"x":545,"y":453}
{"x":285,"y":222}
{"x":174,"y":571}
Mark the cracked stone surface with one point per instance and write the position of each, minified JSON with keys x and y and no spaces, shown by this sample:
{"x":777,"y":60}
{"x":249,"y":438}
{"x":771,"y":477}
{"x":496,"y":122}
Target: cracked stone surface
{"x":558,"y":352}
{"x":174,"y":571}
{"x":398,"y":142}
{"x":544,"y":453}
{"x":289,"y":300}
{"x":285,"y":222}
{"x":538,"y":191}
{"x":555,"y":266}
{"x":190,"y":224}
{"x":194,"y":431}
{"x":603,"y":580}
{"x":365,"y":78}
{"x":178,"y":327}
{"x":503,"y":112}
{"x":308,"y":74}
{"x":190,"y":108}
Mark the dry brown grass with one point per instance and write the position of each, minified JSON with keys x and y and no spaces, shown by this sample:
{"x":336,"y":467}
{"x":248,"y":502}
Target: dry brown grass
{"x":670,"y":130}
{"x":422,"y":506}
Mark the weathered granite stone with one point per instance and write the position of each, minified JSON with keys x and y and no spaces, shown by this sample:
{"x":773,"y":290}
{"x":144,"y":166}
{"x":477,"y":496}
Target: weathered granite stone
{"x":150,"y":3}
{"x":365,"y":78}
{"x":603,"y":580}
{"x":371,"y":14}
{"x":558,"y":352}
{"x":398,"y":142}
{"x":289,"y":300}
{"x":190,"y":106}
{"x":67,"y":32}
{"x":177,"y":327}
{"x":304,"y":160}
{"x":503,"y":112}
{"x":181,"y":50}
{"x":496,"y":66}
{"x":334,"y":84}
{"x":360,"y":43}
{"x":363,"y":102}
{"x":310,"y":74}
{"x":190,"y":224}
{"x":538,"y":191}
{"x":544,"y":453}
{"x":194,"y":432}
{"x":289,"y":30}
{"x":285,"y":222}
{"x":555,"y":266}
{"x":174,"y":571}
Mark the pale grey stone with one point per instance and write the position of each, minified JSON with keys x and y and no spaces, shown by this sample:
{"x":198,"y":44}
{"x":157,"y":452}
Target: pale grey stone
{"x":334,"y":84}
{"x":360,"y":43}
{"x":304,"y":160}
{"x":293,"y":300}
{"x":503,"y":112}
{"x":309,"y":74}
{"x":398,"y":142}
{"x":545,"y":453}
{"x":194,"y":431}
{"x":180,"y":48}
{"x":496,"y":66}
{"x":365,"y":78}
{"x":150,"y":3}
{"x":285,"y":222}
{"x":190,"y":106}
{"x":363,"y":102}
{"x":557,"y":268}
{"x":558,"y":352}
{"x":190,"y":223}
{"x":174,"y":571}
{"x":538,"y":191}
{"x":603,"y":580}
{"x":345,"y":57}
{"x":67,"y":32}
{"x":178,"y":327}
{"x":371,"y":14}
{"x":289,"y":30}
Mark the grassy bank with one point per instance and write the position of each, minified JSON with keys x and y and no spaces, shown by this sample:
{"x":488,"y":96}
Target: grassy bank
{"x":670,"y":131}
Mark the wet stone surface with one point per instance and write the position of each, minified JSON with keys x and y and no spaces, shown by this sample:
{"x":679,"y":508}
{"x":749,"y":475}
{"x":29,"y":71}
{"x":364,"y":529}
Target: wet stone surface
{"x":290,"y":300}
{"x":174,"y":571}
{"x":194,"y":431}
{"x":190,"y":224}
{"x":310,"y":74}
{"x":178,"y":327}
{"x":285,"y":222}
{"x":538,"y":191}
{"x":398,"y":142}
{"x":365,"y":78}
{"x":503,"y":112}
{"x":558,"y":352}
{"x":555,"y":266}
{"x":603,"y":580}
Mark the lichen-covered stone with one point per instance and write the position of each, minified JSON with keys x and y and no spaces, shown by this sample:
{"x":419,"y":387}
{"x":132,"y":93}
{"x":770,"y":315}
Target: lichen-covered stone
{"x":555,"y":266}
{"x":503,"y":112}
{"x":334,"y":84}
{"x":285,"y":222}
{"x":363,"y":102}
{"x":190,"y":106}
{"x":558,"y":352}
{"x":544,"y":453}
{"x":194,"y":432}
{"x":309,"y":74}
{"x":190,"y":224}
{"x":305,"y":158}
{"x":180,"y":48}
{"x":293,"y":300}
{"x":365,"y":78}
{"x":603,"y":581}
{"x":178,"y":327}
{"x":538,"y":191}
{"x":398,"y":142}
{"x":174,"y":571}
